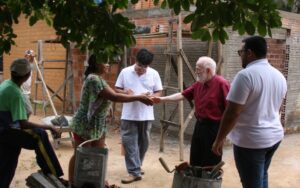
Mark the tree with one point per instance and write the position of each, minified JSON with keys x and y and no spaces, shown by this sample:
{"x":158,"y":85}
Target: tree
{"x":289,"y":5}
{"x":99,"y":26}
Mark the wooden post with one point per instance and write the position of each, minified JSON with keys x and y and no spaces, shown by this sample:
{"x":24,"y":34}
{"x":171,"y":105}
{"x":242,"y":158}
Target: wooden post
{"x":220,"y":58}
{"x":180,"y":86}
{"x":209,"y":47}
{"x":166,"y":82}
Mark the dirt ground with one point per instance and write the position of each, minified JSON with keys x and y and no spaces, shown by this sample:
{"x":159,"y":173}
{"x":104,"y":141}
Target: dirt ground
{"x":283,"y":173}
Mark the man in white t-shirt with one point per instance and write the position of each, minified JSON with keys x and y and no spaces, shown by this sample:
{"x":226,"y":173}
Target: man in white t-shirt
{"x":136,"y":117}
{"x":252,"y":117}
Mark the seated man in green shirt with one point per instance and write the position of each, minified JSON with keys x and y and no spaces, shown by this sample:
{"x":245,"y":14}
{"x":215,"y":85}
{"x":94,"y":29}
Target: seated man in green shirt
{"x":16,"y":132}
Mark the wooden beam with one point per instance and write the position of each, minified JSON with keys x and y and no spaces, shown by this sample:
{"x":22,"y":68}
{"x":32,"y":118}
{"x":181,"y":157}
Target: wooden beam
{"x":167,"y":77}
{"x":209,"y":48}
{"x":169,"y":123}
{"x":175,"y":67}
{"x":220,"y":58}
{"x":188,"y":119}
{"x":188,"y":64}
{"x":180,"y":86}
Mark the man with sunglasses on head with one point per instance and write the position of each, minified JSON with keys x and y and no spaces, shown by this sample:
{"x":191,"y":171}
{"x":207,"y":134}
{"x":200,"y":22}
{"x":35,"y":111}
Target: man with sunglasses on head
{"x":252,"y":117}
{"x":136,"y":117}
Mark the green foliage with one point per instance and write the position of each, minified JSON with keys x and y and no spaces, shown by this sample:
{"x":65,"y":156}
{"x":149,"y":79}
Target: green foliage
{"x":247,"y":16}
{"x":99,"y":28}
{"x":134,"y":1}
{"x":104,"y":31}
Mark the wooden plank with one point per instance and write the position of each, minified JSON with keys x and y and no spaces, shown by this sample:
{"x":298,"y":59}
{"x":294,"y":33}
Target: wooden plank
{"x":209,"y":48}
{"x":220,"y":58}
{"x":180,"y":86}
{"x":188,"y":64}
{"x":188,"y":119}
{"x":169,"y":123}
{"x":167,"y":77}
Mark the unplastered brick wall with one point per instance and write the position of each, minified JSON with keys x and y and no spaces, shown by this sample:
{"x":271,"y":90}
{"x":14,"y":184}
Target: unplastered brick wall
{"x":283,"y":54}
{"x":277,"y":54}
{"x":291,"y":22}
{"x":193,"y":50}
{"x":158,"y":23}
{"x":157,"y":43}
{"x":27,"y":39}
{"x":143,"y":4}
{"x":79,"y":59}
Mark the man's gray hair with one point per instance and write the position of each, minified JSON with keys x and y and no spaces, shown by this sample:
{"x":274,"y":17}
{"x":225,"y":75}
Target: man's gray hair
{"x":207,"y":62}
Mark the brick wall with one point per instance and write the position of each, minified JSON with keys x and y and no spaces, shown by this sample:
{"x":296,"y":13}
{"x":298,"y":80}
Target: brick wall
{"x":284,"y":54}
{"x":143,"y":4}
{"x":277,"y":56}
{"x":26,"y":39}
{"x":78,"y":72}
{"x":280,"y":52}
{"x":291,"y":22}
{"x":157,"y":43}
{"x":54,"y":71}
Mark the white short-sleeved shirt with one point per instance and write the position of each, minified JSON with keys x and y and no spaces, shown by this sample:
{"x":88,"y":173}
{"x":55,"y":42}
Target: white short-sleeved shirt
{"x":148,"y":82}
{"x":26,"y":86}
{"x":261,"y":89}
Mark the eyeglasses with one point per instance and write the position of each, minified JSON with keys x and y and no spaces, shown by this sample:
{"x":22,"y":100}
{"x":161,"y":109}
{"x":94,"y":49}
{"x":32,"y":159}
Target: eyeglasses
{"x":240,"y":52}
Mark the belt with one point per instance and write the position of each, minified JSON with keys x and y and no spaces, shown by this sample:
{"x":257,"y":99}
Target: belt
{"x":207,"y":120}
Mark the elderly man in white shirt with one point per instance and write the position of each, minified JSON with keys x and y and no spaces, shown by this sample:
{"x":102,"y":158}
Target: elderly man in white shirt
{"x":252,"y":117}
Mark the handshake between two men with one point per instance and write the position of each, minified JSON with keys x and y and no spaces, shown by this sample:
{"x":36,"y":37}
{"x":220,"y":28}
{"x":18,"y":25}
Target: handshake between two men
{"x":148,"y":98}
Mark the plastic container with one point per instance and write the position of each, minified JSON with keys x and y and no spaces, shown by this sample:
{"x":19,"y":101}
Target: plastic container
{"x":90,"y":166}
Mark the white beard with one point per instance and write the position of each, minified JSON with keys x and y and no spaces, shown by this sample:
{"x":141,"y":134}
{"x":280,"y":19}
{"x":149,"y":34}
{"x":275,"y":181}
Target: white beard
{"x":202,"y":79}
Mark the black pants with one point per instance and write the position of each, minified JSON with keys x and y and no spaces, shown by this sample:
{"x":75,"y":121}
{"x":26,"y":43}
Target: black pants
{"x":11,"y":143}
{"x":204,"y":135}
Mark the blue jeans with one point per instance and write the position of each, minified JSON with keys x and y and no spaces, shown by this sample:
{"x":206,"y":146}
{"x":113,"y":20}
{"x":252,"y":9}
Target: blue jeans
{"x":135,"y":139}
{"x":253,"y":164}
